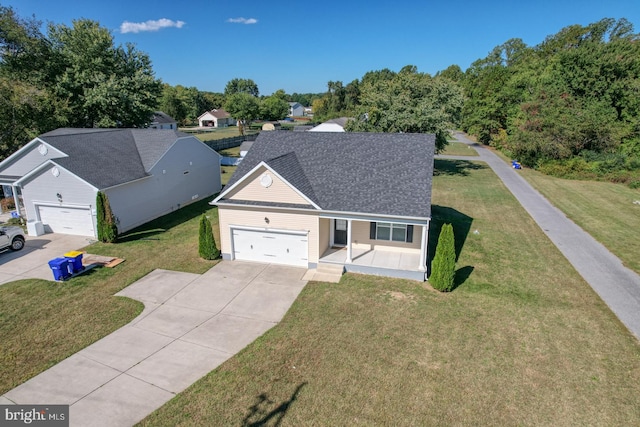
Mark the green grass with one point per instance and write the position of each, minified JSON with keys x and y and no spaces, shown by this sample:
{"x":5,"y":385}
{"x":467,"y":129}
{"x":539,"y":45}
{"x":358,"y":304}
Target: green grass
{"x":230,"y":152}
{"x":42,"y":322}
{"x":456,"y":148}
{"x":522,"y":340}
{"x":216,"y":133}
{"x":604,"y":210}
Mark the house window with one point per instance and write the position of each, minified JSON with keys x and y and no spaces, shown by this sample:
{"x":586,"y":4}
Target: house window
{"x":391,"y":232}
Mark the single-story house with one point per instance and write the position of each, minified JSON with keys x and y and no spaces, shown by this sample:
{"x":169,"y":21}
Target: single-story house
{"x":296,"y":109}
{"x":145,"y":173}
{"x":333,"y":125}
{"x":161,"y":120}
{"x":217,"y":118}
{"x":362,"y":200}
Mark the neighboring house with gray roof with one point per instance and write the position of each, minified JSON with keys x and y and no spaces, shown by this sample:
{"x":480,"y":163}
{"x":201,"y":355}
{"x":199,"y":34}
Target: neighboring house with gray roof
{"x":161,"y":120}
{"x":362,"y":200}
{"x":145,"y":173}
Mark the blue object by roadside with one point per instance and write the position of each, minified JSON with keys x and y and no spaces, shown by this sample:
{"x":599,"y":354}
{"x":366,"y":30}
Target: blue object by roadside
{"x":516,"y":164}
{"x":15,"y":214}
{"x":60,"y":268}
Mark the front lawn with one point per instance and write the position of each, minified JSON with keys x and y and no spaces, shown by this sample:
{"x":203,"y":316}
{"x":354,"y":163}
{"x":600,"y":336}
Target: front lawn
{"x":455,"y":148}
{"x":522,"y":340}
{"x":609,"y":212}
{"x":43,"y":322}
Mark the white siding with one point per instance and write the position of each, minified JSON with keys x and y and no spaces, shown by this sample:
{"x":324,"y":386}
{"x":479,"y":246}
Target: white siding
{"x":28,"y":160}
{"x":44,"y":187}
{"x":188,"y":172}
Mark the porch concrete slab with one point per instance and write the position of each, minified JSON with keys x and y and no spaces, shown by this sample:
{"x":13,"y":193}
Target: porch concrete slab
{"x":178,"y":365}
{"x":386,"y":260}
{"x":121,"y":402}
{"x":228,"y":334}
{"x":264,"y":301}
{"x":173,"y":321}
{"x":64,"y":383}
{"x":125,"y":347}
{"x":409,"y":261}
{"x":158,"y":286}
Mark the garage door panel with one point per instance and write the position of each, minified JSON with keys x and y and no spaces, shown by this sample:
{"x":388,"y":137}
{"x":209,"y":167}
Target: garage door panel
{"x":67,"y":220}
{"x":271,"y":247}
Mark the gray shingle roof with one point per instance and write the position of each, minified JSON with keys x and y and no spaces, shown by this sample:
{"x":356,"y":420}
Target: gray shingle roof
{"x":161,"y":117}
{"x":372,"y":173}
{"x":108,"y":157}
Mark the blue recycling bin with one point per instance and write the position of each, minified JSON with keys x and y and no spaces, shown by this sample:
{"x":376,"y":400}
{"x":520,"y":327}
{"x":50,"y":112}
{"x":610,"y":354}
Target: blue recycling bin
{"x":75,"y":261}
{"x":60,"y":268}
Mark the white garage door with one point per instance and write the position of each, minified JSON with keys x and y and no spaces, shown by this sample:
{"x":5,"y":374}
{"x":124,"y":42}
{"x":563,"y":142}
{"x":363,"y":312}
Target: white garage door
{"x":272,"y":247}
{"x":65,"y":220}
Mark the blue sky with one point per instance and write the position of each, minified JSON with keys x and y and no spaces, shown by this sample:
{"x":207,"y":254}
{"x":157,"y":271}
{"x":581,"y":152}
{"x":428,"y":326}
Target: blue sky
{"x":300,"y":46}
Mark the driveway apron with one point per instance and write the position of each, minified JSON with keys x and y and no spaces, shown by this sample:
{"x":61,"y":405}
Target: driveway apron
{"x":618,"y":286}
{"x":190,"y":325}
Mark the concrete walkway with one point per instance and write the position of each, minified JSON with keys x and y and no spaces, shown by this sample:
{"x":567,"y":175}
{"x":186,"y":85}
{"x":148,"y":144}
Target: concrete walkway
{"x":190,"y":325}
{"x":618,"y":286}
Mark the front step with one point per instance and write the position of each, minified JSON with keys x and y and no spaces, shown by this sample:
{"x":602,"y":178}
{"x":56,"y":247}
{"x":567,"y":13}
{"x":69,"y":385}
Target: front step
{"x":324,"y":267}
{"x":327,"y":273}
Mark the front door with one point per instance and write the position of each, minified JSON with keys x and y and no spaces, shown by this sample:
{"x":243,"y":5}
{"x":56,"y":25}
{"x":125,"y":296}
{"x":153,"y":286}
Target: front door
{"x":340,"y":232}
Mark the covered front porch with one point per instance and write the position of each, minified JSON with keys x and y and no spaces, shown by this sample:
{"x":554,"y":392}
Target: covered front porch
{"x":393,"y":247}
{"x":377,"y":261}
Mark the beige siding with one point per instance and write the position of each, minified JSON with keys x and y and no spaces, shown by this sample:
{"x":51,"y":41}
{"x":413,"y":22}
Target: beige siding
{"x":278,"y":192}
{"x":325,"y":234}
{"x":361,"y":240}
{"x":278,"y":219}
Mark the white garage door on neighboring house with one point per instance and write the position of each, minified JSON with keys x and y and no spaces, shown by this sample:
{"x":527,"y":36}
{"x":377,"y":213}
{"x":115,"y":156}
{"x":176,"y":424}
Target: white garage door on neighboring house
{"x":67,"y":220}
{"x":271,"y":246}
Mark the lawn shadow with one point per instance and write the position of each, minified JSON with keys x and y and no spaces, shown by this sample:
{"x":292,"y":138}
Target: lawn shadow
{"x":462,"y":274}
{"x":461,"y":223}
{"x":160,"y":225}
{"x":455,"y":167}
{"x":259,"y":413}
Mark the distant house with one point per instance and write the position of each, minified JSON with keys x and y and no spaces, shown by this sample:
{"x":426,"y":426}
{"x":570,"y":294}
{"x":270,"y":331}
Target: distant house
{"x":145,"y":173}
{"x":333,"y":125}
{"x":296,"y":109}
{"x":161,"y":120}
{"x":217,"y":118}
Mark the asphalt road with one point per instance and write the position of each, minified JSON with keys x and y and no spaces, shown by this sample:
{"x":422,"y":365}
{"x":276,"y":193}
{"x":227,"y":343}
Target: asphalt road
{"x":618,"y":286}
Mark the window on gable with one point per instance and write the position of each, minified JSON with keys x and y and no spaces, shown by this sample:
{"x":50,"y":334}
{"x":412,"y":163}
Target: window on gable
{"x":392,"y":232}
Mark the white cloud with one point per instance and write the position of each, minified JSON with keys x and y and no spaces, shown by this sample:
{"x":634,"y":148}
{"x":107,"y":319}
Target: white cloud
{"x":136,"y":27}
{"x":242,"y":20}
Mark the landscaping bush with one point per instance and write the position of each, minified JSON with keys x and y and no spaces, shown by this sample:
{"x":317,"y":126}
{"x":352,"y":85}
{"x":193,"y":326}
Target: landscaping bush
{"x":107,"y":227}
{"x":207,"y":243}
{"x":443,"y":266}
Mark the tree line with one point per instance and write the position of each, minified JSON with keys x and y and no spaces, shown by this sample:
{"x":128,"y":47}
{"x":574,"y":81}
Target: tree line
{"x":568,"y":106}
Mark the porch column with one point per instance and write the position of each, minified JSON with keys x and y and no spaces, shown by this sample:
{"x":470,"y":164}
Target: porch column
{"x":16,"y":199}
{"x":348,"y":260}
{"x":423,"y":247}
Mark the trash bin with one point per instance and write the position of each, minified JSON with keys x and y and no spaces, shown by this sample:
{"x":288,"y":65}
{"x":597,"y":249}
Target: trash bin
{"x":75,"y":261}
{"x":60,"y":268}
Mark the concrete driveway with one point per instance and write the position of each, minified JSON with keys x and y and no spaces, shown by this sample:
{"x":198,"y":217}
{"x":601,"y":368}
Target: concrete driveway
{"x":32,"y":261}
{"x":190,"y":325}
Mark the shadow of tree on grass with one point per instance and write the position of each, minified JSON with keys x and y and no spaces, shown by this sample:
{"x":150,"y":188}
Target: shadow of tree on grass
{"x":455,"y":167}
{"x":260,"y":415}
{"x":461,"y":223}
